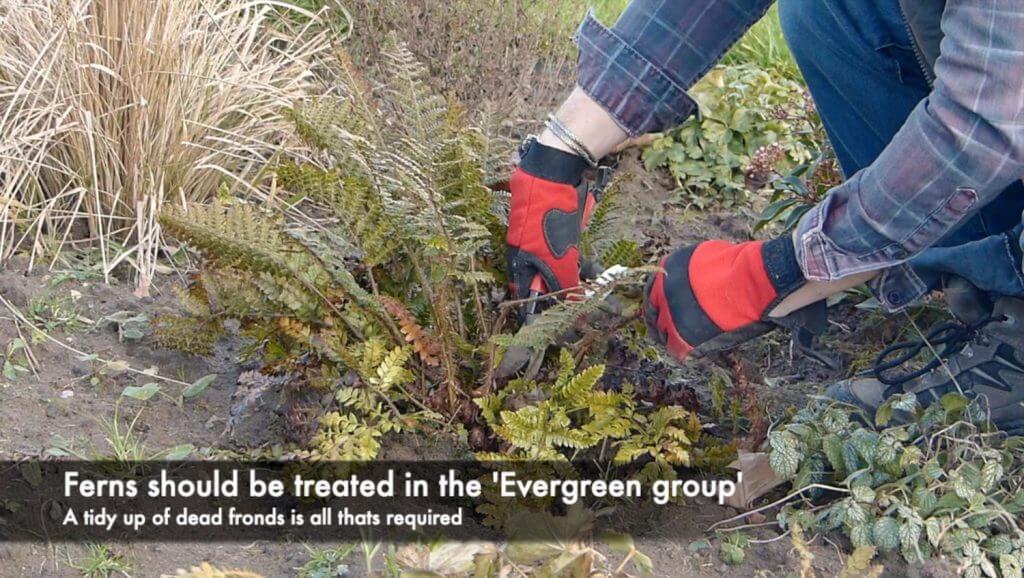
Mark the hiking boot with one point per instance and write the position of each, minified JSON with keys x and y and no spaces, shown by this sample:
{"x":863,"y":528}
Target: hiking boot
{"x":984,"y":358}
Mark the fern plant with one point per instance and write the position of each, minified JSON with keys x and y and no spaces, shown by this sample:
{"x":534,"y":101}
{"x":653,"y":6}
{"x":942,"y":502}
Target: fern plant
{"x":412,"y":201}
{"x":567,"y":416}
{"x":938,"y":483}
{"x":600,"y":241}
{"x":405,"y":241}
{"x":385,"y":289}
{"x":561,"y":421}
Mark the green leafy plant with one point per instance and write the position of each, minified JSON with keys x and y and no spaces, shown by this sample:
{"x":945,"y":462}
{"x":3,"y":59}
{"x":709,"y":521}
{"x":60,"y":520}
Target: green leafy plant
{"x":733,"y":550}
{"x":574,"y":414}
{"x":353,"y":432}
{"x":55,"y":313}
{"x":804,"y":186}
{"x":744,"y":109}
{"x":401,"y":270}
{"x":599,"y":242}
{"x":796,"y":193}
{"x":547,"y":427}
{"x":567,"y":315}
{"x":327,"y":562}
{"x":102,"y":562}
{"x":16,"y":360}
{"x":130,"y":326}
{"x":151,"y":389}
{"x":376,"y":298}
{"x":385,"y":294}
{"x":924,"y":482}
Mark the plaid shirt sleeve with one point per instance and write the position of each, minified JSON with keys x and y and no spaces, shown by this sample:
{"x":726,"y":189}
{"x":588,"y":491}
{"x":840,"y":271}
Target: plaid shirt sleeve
{"x":640,"y":69}
{"x":958,"y":150}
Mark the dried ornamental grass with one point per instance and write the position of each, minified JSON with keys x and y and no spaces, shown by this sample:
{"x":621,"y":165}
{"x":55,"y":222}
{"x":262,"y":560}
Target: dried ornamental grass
{"x":110,"y":108}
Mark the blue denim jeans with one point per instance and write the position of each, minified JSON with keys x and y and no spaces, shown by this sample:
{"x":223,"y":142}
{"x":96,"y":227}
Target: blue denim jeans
{"x":859,"y":63}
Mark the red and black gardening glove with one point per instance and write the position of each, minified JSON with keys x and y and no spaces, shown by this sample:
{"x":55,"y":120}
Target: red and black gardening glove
{"x":717,"y":294}
{"x":550,"y":204}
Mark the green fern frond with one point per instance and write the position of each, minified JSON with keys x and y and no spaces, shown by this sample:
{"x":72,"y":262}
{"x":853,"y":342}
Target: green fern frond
{"x":552,"y":325}
{"x":366,"y":356}
{"x":330,"y":257}
{"x":193,"y":335}
{"x":603,"y":220}
{"x":423,"y":111}
{"x":285,"y":291}
{"x":236,"y":235}
{"x":625,"y":252}
{"x":391,"y":370}
{"x":610,"y":425}
{"x":578,"y":391}
{"x":540,"y":428}
{"x":490,"y":406}
{"x":231,"y":292}
{"x":474,"y":277}
{"x":321,"y":185}
{"x":576,"y":439}
{"x":344,"y":127}
{"x":345,"y":437}
{"x":357,"y":399}
{"x":566,"y":369}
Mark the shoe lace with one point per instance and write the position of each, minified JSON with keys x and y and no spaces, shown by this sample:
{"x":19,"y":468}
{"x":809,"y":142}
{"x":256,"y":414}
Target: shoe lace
{"x":952,"y":337}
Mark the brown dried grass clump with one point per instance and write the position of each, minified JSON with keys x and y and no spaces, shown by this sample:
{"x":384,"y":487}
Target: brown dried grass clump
{"x":110,"y":108}
{"x":514,"y":58}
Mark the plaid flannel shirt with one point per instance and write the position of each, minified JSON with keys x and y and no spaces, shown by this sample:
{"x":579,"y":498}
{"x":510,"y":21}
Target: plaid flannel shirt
{"x":958,"y":150}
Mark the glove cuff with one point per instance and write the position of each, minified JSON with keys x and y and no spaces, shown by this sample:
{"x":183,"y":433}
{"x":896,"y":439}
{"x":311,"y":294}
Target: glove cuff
{"x":782,"y":267}
{"x":551,"y":164}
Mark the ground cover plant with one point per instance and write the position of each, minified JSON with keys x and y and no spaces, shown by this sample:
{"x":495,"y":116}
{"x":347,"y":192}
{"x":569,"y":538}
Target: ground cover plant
{"x":753,"y":124}
{"x":758,"y":130}
{"x":923,"y":482}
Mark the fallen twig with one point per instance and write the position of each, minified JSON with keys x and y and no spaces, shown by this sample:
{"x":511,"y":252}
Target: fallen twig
{"x":778,"y":502}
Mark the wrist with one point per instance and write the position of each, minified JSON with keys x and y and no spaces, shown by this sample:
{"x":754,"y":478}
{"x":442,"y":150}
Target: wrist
{"x":548,"y":139}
